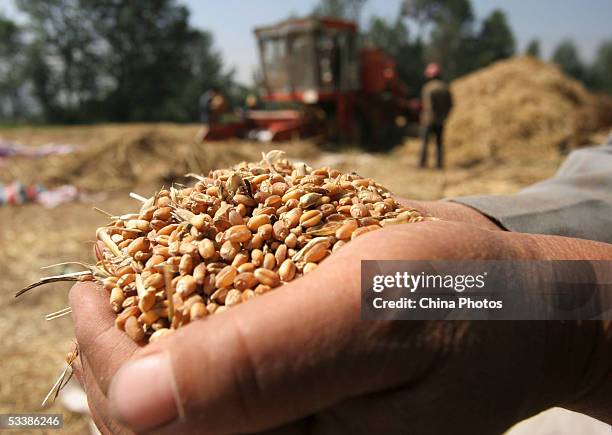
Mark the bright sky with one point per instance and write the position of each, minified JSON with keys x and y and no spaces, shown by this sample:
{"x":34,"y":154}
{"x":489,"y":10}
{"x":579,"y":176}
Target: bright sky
{"x":232,"y":21}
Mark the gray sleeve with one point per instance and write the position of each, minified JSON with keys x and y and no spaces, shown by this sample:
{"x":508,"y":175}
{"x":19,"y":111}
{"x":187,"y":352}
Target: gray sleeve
{"x":576,"y":202}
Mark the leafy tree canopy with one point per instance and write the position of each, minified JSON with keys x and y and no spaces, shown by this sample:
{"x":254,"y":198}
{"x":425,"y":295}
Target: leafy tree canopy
{"x":567,"y":57}
{"x":533,"y":49}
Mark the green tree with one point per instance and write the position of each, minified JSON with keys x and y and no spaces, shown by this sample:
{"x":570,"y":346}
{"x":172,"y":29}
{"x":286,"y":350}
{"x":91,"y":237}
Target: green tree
{"x":205,"y":71}
{"x":63,"y":32}
{"x":43,"y":86}
{"x":394,"y":38}
{"x":495,"y":39}
{"x":533,"y":49}
{"x":453,"y":44}
{"x":602,"y":68}
{"x":118,"y":60}
{"x":146,"y":56}
{"x":343,"y":9}
{"x":11,"y":70}
{"x":566,"y":56}
{"x":423,"y":12}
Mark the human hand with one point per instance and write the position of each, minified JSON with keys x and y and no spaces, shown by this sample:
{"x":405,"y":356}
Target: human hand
{"x":451,"y":211}
{"x":300,"y":359}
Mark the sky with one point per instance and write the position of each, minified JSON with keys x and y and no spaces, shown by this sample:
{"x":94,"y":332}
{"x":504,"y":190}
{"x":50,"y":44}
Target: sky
{"x":231,"y":22}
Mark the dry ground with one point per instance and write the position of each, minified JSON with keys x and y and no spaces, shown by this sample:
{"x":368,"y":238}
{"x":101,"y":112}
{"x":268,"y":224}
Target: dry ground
{"x":33,"y":350}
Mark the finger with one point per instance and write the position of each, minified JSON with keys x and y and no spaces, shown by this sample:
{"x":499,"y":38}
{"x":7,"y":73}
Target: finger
{"x":105,"y":347}
{"x":276,"y":359}
{"x":92,"y":392}
{"x":98,"y":422}
{"x":98,"y":402}
{"x":77,"y":370}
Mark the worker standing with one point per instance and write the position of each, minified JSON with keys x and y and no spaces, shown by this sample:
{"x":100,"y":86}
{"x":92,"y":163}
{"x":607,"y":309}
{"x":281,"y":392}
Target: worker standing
{"x":205,"y":100}
{"x":437,"y":104}
{"x":212,"y":106}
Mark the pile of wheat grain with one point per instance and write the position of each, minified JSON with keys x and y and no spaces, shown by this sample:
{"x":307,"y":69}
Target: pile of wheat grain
{"x":238,"y":233}
{"x":518,"y":106}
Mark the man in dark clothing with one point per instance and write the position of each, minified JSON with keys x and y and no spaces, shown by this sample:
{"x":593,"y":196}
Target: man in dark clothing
{"x":206,"y":102}
{"x":437,"y":104}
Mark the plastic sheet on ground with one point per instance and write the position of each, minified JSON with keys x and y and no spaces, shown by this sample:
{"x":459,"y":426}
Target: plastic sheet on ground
{"x":11,"y":149}
{"x":17,"y":193}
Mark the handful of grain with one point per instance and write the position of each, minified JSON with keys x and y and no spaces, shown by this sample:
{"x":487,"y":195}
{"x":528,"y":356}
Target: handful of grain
{"x":191,"y":252}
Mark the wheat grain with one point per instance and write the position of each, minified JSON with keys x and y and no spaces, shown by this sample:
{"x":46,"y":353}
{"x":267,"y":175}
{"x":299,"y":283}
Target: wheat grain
{"x":236,"y":234}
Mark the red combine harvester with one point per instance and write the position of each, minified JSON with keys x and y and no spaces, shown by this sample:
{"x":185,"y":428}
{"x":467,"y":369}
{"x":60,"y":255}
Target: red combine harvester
{"x":318,"y":82}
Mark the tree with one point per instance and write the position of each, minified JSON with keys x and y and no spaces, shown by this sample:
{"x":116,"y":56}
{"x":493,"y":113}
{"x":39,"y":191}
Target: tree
{"x":423,"y":12}
{"x":62,"y":30}
{"x":343,"y":9}
{"x":118,"y":60}
{"x":567,"y":57}
{"x":533,"y":49}
{"x":453,"y":44}
{"x":602,"y":68}
{"x":146,"y":56}
{"x":43,"y":86}
{"x":394,"y":39}
{"x":11,"y":70}
{"x":205,"y":71}
{"x":495,"y":40}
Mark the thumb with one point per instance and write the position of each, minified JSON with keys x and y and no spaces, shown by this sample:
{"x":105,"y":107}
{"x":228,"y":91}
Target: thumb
{"x":237,"y":371}
{"x":280,"y":357}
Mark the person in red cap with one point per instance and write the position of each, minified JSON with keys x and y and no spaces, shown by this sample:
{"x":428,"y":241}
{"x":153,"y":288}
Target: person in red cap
{"x":437,"y":104}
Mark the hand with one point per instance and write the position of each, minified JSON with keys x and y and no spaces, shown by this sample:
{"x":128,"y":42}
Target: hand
{"x":451,"y":211}
{"x":300,"y":360}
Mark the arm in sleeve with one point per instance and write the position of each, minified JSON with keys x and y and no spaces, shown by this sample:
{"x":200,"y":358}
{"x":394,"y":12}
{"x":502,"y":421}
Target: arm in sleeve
{"x":576,"y":202}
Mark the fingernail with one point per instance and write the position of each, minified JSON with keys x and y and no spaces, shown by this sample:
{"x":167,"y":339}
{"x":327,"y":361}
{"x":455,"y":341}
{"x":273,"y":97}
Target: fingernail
{"x":143,"y":395}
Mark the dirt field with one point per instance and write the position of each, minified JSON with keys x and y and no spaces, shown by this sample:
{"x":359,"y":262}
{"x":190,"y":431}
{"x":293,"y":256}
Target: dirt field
{"x":32,"y":237}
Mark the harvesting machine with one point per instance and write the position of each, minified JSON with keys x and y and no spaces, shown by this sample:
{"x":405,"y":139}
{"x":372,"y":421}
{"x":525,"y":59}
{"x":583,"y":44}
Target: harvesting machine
{"x":318,"y":81}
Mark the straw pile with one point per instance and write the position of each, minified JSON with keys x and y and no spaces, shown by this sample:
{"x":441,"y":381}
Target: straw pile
{"x":113,"y":158}
{"x":519,"y":106}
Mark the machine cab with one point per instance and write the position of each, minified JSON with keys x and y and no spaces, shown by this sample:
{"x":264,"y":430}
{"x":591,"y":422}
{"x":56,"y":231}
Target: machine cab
{"x":308,"y":60}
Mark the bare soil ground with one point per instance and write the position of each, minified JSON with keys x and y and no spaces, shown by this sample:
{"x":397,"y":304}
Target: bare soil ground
{"x":31,"y":237}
